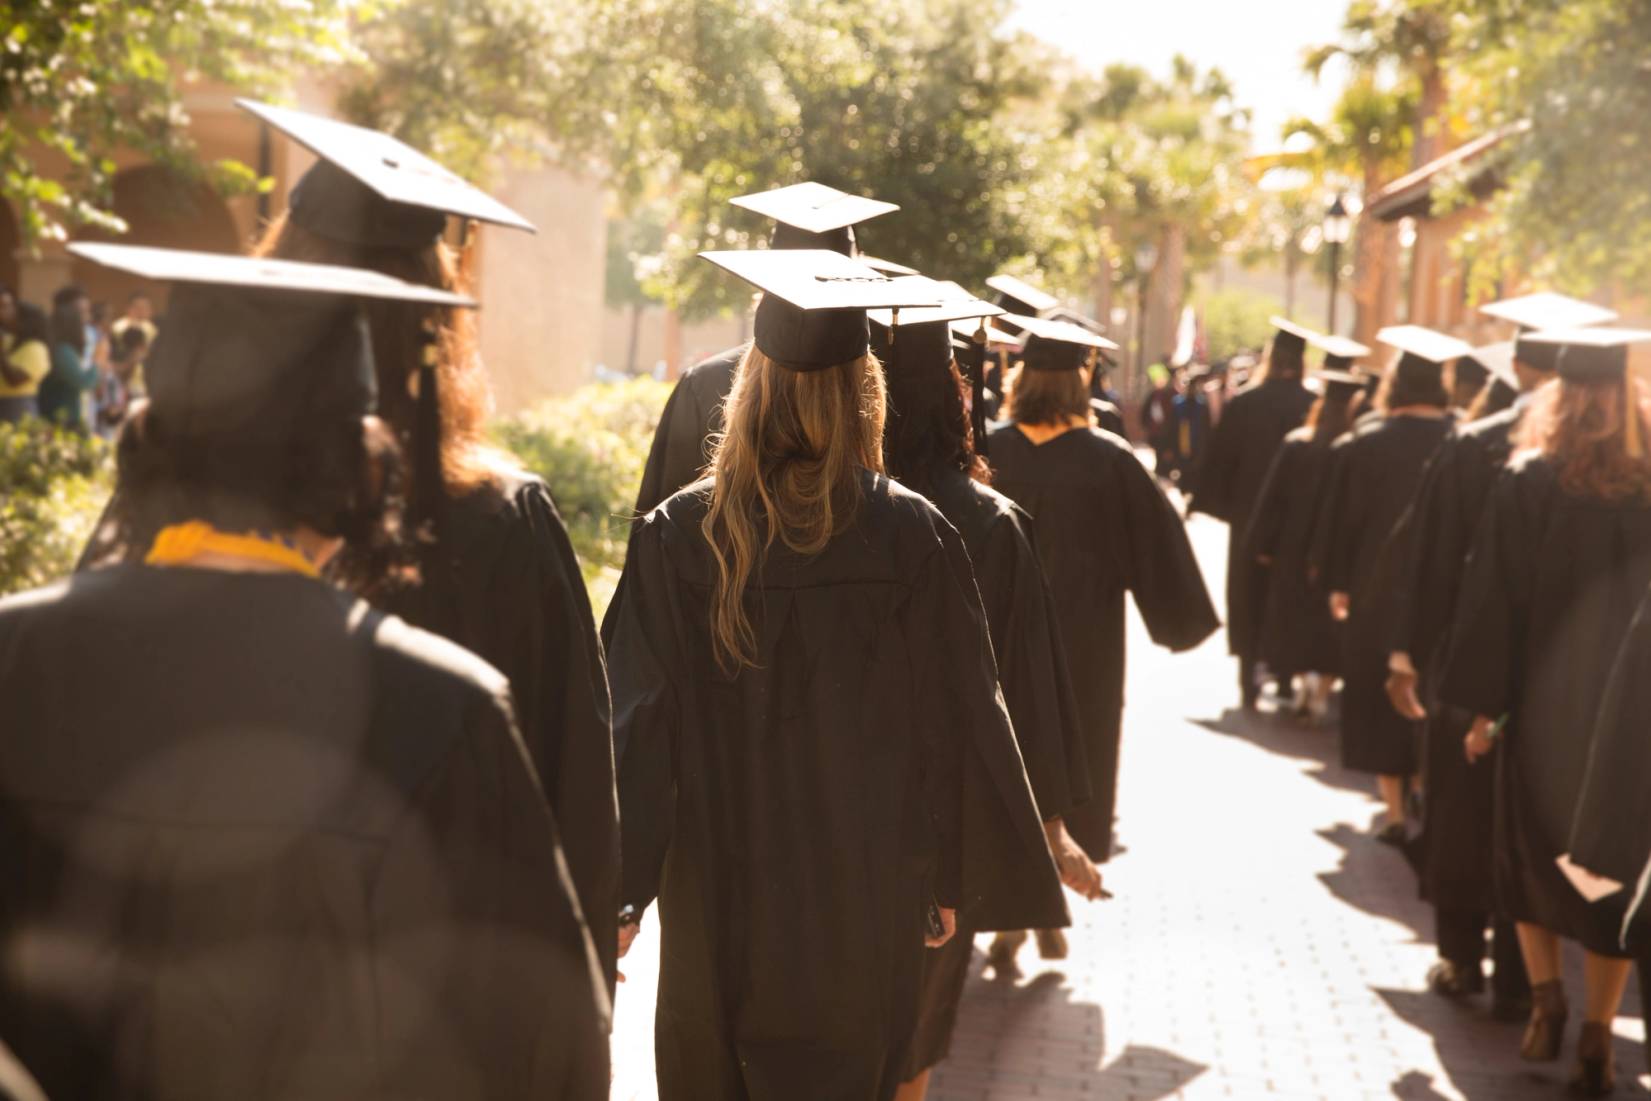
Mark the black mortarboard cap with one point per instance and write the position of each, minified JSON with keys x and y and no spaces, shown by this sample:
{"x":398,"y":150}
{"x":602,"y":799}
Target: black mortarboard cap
{"x":1496,"y":360}
{"x":1546,"y":310}
{"x":252,"y":348}
{"x":1423,"y":344}
{"x":814,"y":216}
{"x":1291,"y":336}
{"x":1590,"y":354}
{"x":1021,"y":299}
{"x":813,"y":310}
{"x":1336,"y":378}
{"x":1056,"y":345}
{"x":368,"y":188}
{"x":1339,"y":351}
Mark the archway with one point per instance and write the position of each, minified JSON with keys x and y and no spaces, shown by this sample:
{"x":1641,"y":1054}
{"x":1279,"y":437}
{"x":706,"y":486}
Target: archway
{"x":162,"y":208}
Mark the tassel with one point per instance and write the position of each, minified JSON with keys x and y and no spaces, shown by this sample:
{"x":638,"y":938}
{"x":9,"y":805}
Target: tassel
{"x":977,"y":388}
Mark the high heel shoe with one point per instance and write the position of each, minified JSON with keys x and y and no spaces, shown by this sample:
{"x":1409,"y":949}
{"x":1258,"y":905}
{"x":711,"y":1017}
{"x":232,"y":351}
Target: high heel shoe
{"x":1546,"y":1030}
{"x":1596,"y":1070}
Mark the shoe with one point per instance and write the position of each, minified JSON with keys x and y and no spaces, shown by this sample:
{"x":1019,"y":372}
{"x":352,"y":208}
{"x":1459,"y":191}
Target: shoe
{"x":1596,"y":1070}
{"x":1000,"y":957}
{"x":1510,"y":1008}
{"x":1445,"y":978}
{"x":1051,"y":944}
{"x":1546,"y":1030}
{"x":1392,"y":834}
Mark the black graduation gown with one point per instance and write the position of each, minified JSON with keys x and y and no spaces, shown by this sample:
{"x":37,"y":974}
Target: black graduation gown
{"x":1430,"y":546}
{"x":507,"y":586}
{"x":1375,"y":471}
{"x":1037,"y":691}
{"x":682,"y":439}
{"x":1296,"y":630}
{"x":1241,"y":447}
{"x":1103,"y":528}
{"x":1108,"y":417}
{"x":1611,"y":832}
{"x":262,"y":841}
{"x":1551,"y":585}
{"x":796,"y":819}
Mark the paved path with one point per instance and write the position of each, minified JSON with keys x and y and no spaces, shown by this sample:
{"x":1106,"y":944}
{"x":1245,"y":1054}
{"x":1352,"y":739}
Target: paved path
{"x":1261,"y":945}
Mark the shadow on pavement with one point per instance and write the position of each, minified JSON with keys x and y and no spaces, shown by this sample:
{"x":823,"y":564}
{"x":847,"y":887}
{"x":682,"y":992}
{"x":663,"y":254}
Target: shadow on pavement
{"x":1480,"y":1056}
{"x":1026,"y":1037}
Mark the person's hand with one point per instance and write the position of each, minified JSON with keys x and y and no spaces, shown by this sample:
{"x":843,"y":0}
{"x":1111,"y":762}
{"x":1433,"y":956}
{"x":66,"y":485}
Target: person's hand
{"x":1340,"y":605}
{"x":1478,"y":741}
{"x":1076,"y":870}
{"x":627,"y":936}
{"x":1401,"y":693}
{"x":948,"y":922}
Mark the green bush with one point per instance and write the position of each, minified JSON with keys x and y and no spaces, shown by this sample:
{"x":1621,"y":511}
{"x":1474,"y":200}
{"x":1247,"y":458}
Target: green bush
{"x":1236,"y":320}
{"x":590,"y":446}
{"x":53,"y":486}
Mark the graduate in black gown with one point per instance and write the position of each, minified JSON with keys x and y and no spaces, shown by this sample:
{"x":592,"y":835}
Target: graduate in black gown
{"x":1453,"y":851}
{"x":928,"y":446}
{"x":260,"y":839}
{"x":816,"y":772}
{"x":1297,"y":631}
{"x":1558,"y":566}
{"x":498,"y":574}
{"x":1375,"y":471}
{"x":806,"y":216}
{"x":1253,"y":423}
{"x":1103,"y":529}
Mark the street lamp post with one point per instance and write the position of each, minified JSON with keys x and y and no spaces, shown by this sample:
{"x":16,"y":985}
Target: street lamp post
{"x":1146,"y":255}
{"x":1338,"y":227}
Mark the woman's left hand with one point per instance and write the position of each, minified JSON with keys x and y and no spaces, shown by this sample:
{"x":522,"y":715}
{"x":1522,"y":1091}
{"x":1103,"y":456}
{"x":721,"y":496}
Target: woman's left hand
{"x":948,"y":922}
{"x":1076,"y":870}
{"x":1478,"y":741}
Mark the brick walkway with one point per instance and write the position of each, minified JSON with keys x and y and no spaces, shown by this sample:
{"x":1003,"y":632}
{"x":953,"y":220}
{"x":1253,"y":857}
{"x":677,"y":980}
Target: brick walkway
{"x":1261,"y":945}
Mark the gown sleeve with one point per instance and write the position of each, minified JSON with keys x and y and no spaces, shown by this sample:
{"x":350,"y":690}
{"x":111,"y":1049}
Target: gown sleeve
{"x":1032,"y":668}
{"x":1328,"y":538}
{"x":1160,"y":567}
{"x":485,"y":980}
{"x":1606,"y":838}
{"x":1481,"y":674}
{"x":994,"y":860}
{"x":1402,"y":561}
{"x":645,"y":669}
{"x":560,"y":684}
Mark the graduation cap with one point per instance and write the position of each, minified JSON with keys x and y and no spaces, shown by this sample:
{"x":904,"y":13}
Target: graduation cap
{"x":814,"y":216}
{"x":1591,"y":354}
{"x":925,"y":335}
{"x":1546,"y":310}
{"x":253,"y":348}
{"x":887,"y":267}
{"x":1020,"y":298}
{"x":813,"y":310}
{"x":994,"y":335}
{"x":1057,"y":345}
{"x":1339,"y":352}
{"x":1419,"y":343}
{"x":1497,"y":362}
{"x":1292,"y":336}
{"x":1341,"y":379}
{"x":368,"y":188}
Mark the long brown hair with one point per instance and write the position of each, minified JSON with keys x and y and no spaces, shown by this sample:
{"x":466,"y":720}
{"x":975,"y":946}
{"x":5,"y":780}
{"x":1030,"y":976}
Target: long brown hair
{"x":928,"y":427}
{"x":465,"y":398}
{"x":1581,"y":430}
{"x":1046,"y":397}
{"x":787,"y":467}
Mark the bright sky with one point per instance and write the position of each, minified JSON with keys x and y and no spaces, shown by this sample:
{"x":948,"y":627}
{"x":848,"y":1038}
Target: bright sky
{"x":1257,"y":45}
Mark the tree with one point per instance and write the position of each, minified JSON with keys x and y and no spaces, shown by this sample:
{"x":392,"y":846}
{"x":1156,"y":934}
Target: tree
{"x":1569,"y":81}
{"x":81,"y":81}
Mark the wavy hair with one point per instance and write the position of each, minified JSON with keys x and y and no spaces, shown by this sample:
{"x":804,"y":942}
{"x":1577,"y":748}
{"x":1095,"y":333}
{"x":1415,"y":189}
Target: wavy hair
{"x":787,"y":466}
{"x":1580,"y":428}
{"x":465,"y":399}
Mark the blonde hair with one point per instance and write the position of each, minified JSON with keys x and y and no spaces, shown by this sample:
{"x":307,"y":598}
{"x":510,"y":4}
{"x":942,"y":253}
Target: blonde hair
{"x":786,"y":467}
